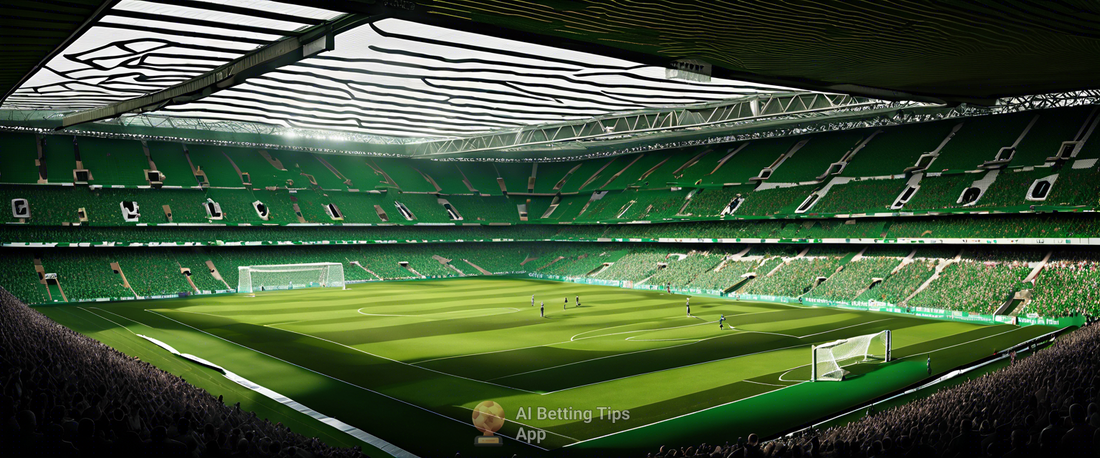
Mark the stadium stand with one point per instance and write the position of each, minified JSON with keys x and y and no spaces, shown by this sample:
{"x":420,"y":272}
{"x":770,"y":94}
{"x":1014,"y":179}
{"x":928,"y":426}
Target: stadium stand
{"x":988,"y":280}
{"x":813,"y":159}
{"x":682,"y":271}
{"x":214,"y":165}
{"x":97,"y":401}
{"x":1047,"y":134}
{"x":858,"y":275}
{"x":85,"y":274}
{"x":635,"y":266}
{"x":1069,"y":283}
{"x":896,"y":148}
{"x":869,"y":196}
{"x":747,"y":162}
{"x":59,"y":158}
{"x":18,"y":154}
{"x":114,"y":162}
{"x":730,"y":273}
{"x":979,"y":140}
{"x":796,"y":277}
{"x":775,"y":200}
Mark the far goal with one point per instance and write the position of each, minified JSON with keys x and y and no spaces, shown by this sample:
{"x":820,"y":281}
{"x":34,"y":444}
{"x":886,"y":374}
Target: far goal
{"x":289,"y":276}
{"x":829,"y":359}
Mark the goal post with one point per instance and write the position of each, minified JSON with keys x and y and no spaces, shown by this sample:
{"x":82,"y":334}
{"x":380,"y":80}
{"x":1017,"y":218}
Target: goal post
{"x":829,"y":359}
{"x":287,"y":276}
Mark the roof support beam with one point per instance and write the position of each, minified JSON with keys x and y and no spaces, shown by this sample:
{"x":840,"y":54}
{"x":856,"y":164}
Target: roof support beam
{"x":696,"y":117}
{"x":288,"y":50}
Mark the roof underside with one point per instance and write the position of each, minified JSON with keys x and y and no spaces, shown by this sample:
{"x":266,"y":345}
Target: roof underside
{"x":452,"y":68}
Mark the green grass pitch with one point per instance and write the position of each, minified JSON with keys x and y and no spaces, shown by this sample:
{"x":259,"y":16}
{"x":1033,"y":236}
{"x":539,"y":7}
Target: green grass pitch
{"x":408,"y":361}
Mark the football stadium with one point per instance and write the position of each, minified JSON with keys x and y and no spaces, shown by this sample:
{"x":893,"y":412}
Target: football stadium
{"x":405,"y":228}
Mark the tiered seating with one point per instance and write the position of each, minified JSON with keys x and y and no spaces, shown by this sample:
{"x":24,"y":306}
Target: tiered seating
{"x":355,"y":168}
{"x":582,"y":179}
{"x":218,"y":170}
{"x":113,"y":162}
{"x":979,"y":283}
{"x":609,"y":207}
{"x":773,"y":201}
{"x":941,"y":191}
{"x":794,"y":278}
{"x":1046,"y":136}
{"x":580,"y":261}
{"x":711,"y":201}
{"x":550,"y":173}
{"x":85,"y":273}
{"x":1010,"y":189}
{"x":482,"y":175}
{"x":730,"y":274}
{"x":261,"y":172}
{"x":477,"y":209}
{"x":19,"y":277}
{"x":17,"y":155}
{"x":151,"y":272}
{"x":814,"y":158}
{"x":632,"y":175}
{"x":748,"y":162}
{"x":855,"y":277}
{"x":896,"y":148}
{"x":515,"y":176}
{"x":979,"y":139}
{"x":200,"y":274}
{"x":497,"y":259}
{"x":405,"y":173}
{"x":895,"y":288}
{"x":865,"y":196}
{"x":1075,"y":187}
{"x":636,"y":266}
{"x":60,"y":158}
{"x":681,"y":272}
{"x":381,"y":260}
{"x":997,"y":226}
{"x":298,"y":163}
{"x":425,"y":207}
{"x":1070,"y":282}
{"x":172,"y":163}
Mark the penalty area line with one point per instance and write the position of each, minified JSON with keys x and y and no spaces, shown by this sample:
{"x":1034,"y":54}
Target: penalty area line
{"x":334,"y":378}
{"x":683,"y":415}
{"x":402,"y":362}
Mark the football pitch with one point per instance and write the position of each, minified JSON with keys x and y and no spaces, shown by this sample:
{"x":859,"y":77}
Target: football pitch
{"x":623,"y":373}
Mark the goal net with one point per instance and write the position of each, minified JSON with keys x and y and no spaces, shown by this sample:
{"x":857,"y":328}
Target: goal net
{"x":830,"y":358}
{"x":288,"y":276}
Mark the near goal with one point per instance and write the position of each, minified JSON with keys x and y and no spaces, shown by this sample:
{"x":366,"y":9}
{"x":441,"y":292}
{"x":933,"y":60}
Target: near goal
{"x":287,"y":276}
{"x":829,"y":358}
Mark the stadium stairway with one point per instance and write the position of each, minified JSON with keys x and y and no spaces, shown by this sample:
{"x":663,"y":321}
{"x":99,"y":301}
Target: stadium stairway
{"x":939,"y":268}
{"x":446,"y":263}
{"x":356,"y":263}
{"x":479,"y":269}
{"x":125,"y":283}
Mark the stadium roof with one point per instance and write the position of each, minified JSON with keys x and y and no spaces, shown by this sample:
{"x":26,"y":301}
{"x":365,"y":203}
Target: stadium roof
{"x":457,"y":68}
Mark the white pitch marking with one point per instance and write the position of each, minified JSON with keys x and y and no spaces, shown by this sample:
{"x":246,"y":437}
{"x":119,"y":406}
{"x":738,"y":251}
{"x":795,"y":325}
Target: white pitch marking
{"x":429,"y":315}
{"x":334,"y":378}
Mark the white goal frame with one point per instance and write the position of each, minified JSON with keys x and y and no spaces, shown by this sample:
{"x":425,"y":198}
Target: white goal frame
{"x":826,"y":358}
{"x":309,"y":275}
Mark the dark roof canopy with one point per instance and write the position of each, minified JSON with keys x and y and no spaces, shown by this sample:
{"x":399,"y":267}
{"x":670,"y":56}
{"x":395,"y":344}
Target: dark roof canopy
{"x":974,"y":50}
{"x":957,"y":51}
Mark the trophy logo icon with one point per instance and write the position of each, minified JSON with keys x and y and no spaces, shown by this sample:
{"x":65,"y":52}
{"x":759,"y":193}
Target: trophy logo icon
{"x":488,"y":418}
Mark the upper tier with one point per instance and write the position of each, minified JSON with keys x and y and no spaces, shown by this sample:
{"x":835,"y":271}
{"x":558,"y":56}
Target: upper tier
{"x":1038,"y":160}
